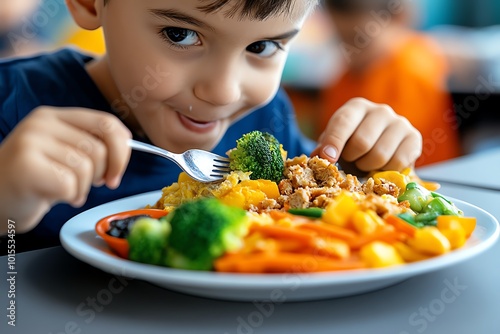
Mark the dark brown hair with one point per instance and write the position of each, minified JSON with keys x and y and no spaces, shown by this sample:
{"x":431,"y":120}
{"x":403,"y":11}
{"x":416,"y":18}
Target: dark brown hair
{"x":256,"y":9}
{"x":355,"y":6}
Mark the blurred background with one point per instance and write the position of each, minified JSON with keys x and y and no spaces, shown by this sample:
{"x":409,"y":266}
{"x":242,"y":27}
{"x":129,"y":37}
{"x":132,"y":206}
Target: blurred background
{"x":342,"y":52}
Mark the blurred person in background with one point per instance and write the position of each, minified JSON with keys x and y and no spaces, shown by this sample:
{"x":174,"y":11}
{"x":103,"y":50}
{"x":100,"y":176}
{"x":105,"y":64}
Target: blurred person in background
{"x":389,"y":62}
{"x":30,"y":26}
{"x":16,"y":38}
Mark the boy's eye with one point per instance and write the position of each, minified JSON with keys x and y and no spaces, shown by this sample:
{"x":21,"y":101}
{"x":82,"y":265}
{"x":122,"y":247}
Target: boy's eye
{"x":180,"y":36}
{"x":264,"y":48}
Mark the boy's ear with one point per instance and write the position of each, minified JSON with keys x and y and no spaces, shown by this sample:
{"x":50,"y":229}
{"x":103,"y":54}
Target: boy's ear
{"x":85,"y":13}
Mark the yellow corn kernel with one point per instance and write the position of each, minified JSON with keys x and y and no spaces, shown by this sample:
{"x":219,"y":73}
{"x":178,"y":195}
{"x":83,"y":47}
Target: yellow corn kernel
{"x":364,"y":223}
{"x":380,"y":254}
{"x":430,"y":240}
{"x":409,"y":254}
{"x":340,"y":211}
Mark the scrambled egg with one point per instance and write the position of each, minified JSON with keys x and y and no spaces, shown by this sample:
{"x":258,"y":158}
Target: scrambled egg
{"x":236,"y":190}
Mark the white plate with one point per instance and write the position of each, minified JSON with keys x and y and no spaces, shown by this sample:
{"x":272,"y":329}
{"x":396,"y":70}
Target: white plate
{"x":79,"y":239}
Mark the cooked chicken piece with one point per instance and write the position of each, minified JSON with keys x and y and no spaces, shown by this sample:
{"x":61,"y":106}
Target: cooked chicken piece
{"x":285,"y":187}
{"x":301,"y":177}
{"x":299,"y":199}
{"x":325,"y":173}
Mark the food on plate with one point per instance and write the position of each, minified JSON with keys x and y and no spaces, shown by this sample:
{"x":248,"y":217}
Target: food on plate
{"x":119,"y":243}
{"x":427,"y":206}
{"x":148,"y":239}
{"x":312,"y":217}
{"x":259,"y":153}
{"x":120,"y":228}
{"x":202,"y":231}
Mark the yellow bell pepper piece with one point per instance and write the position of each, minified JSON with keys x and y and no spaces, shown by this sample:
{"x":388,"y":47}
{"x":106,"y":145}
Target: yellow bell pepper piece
{"x":456,"y":236}
{"x":268,"y":187}
{"x":364,"y":223}
{"x":234,"y":198}
{"x":399,"y":179}
{"x":380,"y":254}
{"x":340,"y":211}
{"x":430,"y":240}
{"x":250,"y":192}
{"x":467,"y":223}
{"x":409,"y":254}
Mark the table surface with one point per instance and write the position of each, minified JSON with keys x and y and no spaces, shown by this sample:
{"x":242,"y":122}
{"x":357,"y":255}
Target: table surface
{"x":56,"y":293}
{"x":480,"y":170}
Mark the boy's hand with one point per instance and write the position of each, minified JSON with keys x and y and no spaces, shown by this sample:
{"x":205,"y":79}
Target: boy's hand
{"x":370,"y":136}
{"x":56,"y":155}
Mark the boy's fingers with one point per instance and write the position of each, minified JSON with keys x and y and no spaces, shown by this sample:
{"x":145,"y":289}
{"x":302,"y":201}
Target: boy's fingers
{"x":366,"y":137}
{"x":338,"y":131}
{"x":409,"y":150}
{"x":112,"y":132}
{"x":59,"y":186}
{"x":88,"y":145}
{"x":384,"y":148}
{"x":74,"y":172}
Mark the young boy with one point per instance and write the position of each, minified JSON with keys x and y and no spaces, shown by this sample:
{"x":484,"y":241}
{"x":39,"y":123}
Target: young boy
{"x":388,"y":62}
{"x":179,"y":74}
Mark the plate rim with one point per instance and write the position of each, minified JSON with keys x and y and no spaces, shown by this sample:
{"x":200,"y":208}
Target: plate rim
{"x":111,"y":263}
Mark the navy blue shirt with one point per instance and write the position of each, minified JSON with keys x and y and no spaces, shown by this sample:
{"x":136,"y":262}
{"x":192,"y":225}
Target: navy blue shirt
{"x":60,"y":79}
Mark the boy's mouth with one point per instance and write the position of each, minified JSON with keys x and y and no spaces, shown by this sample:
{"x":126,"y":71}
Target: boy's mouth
{"x":196,"y":126}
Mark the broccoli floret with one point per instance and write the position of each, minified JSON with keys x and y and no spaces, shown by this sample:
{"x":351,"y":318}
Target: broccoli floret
{"x":259,"y":153}
{"x":148,"y":240}
{"x":203,"y":230}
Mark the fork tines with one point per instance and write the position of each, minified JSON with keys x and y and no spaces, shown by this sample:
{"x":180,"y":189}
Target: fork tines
{"x":220,"y":166}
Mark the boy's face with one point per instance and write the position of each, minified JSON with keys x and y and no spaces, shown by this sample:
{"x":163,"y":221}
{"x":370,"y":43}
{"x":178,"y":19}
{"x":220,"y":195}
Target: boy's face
{"x":187,"y":75}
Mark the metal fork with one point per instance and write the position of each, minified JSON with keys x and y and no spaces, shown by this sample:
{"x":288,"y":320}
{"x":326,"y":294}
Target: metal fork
{"x":201,"y":165}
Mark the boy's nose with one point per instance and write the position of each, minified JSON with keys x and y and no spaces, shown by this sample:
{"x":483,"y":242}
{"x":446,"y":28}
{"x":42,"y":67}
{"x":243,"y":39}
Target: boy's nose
{"x":219,"y":87}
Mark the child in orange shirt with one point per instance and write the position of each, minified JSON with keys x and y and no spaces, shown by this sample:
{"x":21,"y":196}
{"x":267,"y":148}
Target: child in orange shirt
{"x":389,"y":63}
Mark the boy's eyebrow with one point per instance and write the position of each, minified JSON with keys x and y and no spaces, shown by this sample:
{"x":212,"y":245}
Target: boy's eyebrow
{"x":172,"y":14}
{"x":286,"y":35}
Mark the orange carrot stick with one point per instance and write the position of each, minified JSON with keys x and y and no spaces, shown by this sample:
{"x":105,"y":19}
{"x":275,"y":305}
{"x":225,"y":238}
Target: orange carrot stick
{"x":283,"y":262}
{"x":281,"y":232}
{"x":277,"y":215}
{"x":386,"y":233}
{"x":401,"y":225}
{"x":329,"y":230}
